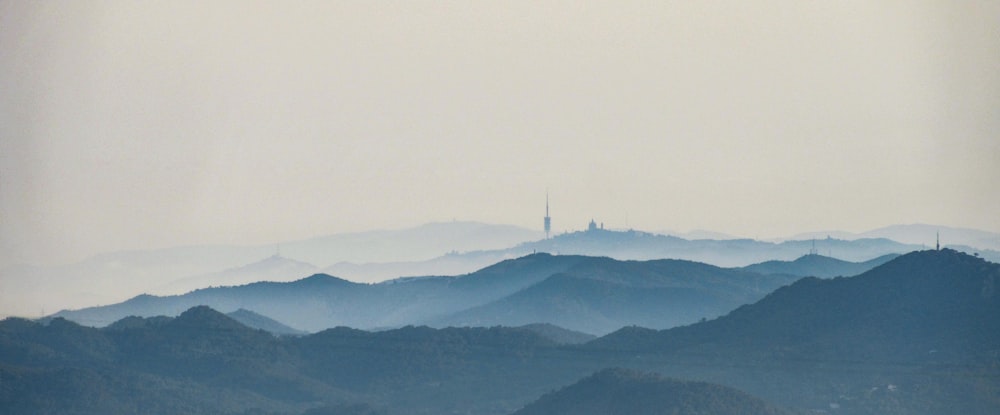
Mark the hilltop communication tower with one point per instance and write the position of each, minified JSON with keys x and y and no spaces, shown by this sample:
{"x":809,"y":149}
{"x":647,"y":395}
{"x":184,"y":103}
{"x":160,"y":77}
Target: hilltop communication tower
{"x":548,"y":220}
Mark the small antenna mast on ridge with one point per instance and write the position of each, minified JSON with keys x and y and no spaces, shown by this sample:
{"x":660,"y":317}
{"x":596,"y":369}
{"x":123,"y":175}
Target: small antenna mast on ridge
{"x":548,"y":219}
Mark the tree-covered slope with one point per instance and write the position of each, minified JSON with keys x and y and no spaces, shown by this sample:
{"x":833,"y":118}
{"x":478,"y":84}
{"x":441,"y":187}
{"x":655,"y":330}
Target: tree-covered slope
{"x":620,"y":391}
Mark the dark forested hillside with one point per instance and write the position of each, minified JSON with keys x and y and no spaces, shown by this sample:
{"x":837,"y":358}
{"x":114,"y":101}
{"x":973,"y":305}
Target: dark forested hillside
{"x":926,"y":324}
{"x":940,"y":301}
{"x":558,"y":334}
{"x":620,"y":391}
{"x":204,"y":362}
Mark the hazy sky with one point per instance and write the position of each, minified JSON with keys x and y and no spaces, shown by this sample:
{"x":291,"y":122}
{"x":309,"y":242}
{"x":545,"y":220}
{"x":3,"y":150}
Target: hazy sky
{"x":151,"y":124}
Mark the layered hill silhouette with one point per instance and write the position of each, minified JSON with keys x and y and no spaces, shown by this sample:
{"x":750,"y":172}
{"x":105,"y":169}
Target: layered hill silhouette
{"x":113,"y":276}
{"x":815,"y":265}
{"x":631,"y":245}
{"x":274,"y":268}
{"x":931,"y":313}
{"x":928,"y":305}
{"x":598,"y":295}
{"x":919,"y":334}
{"x":452,"y":248}
{"x":256,"y":321}
{"x":588,"y":294}
{"x":917,"y":233}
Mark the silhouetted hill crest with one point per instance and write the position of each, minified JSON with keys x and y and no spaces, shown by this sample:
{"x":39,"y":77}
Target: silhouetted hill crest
{"x":258,"y":321}
{"x":657,"y":293}
{"x":941,"y":301}
{"x":517,"y":272}
{"x":204,"y":317}
{"x":818,"y":266}
{"x":323,"y":279}
{"x":134,"y":322}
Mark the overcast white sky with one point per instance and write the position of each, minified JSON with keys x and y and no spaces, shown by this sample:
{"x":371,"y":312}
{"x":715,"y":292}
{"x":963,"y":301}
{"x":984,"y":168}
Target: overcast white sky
{"x":132,"y":125}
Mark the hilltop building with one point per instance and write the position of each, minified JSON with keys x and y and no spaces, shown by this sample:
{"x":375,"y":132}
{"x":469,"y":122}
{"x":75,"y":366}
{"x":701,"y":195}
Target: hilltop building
{"x":593,"y":226}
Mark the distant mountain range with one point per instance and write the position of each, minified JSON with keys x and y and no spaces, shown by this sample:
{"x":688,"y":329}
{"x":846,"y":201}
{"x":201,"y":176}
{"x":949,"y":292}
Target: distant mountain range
{"x":634,"y":245}
{"x":917,"y":335}
{"x":588,"y":294}
{"x":919,"y":234}
{"x":274,"y":268}
{"x":451,"y":248}
{"x":113,"y":277}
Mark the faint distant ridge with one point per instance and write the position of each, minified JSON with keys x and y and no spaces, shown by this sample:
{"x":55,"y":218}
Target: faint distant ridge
{"x":702,"y":246}
{"x":409,"y":244}
{"x":272,"y":268}
{"x":699,"y":234}
{"x":638,"y":245}
{"x":622,"y":391}
{"x":918,"y":234}
{"x":815,"y":265}
{"x":631,"y":245}
{"x":109,"y":277}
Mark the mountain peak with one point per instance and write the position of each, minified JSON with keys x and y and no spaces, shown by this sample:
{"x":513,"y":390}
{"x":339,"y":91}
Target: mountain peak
{"x":947,"y":264}
{"x":203,"y":316}
{"x":322,"y":280}
{"x":945,"y":254}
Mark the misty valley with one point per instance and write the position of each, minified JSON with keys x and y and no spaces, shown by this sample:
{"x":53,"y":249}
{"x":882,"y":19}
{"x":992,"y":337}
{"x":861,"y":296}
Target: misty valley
{"x":917,"y":333}
{"x":425,"y":207}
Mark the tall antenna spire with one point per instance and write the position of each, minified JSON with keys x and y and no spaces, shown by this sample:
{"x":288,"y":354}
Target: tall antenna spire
{"x":548,"y":220}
